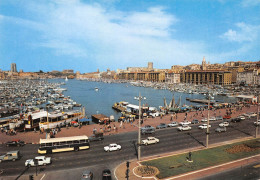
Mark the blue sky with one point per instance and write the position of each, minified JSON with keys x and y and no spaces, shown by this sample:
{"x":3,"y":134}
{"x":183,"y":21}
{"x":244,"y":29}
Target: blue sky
{"x":85,"y":35}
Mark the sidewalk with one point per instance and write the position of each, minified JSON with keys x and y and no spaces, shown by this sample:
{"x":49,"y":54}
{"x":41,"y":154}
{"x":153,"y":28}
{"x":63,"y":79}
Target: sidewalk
{"x":120,"y":171}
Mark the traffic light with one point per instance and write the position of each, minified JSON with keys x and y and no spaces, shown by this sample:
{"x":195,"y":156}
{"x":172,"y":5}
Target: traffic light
{"x":127,"y":164}
{"x":30,"y":177}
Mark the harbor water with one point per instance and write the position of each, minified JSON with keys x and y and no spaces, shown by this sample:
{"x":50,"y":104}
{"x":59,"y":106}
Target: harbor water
{"x":99,"y":97}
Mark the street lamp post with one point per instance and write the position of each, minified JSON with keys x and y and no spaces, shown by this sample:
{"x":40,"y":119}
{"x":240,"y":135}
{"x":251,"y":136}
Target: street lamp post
{"x":256,"y":128}
{"x":207,"y":133}
{"x":139,"y":98}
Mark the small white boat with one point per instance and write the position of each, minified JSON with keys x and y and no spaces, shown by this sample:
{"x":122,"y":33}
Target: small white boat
{"x":66,"y":79}
{"x":96,"y":89}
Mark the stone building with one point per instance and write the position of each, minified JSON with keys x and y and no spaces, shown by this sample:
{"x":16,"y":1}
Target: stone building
{"x":218,"y":77}
{"x":247,"y":77}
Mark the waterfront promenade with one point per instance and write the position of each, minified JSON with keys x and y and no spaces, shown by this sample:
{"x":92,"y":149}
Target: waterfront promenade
{"x":34,"y":137}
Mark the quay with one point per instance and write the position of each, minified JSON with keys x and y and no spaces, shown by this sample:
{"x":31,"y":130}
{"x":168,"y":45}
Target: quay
{"x":31,"y":137}
{"x":118,"y":108}
{"x":202,"y":101}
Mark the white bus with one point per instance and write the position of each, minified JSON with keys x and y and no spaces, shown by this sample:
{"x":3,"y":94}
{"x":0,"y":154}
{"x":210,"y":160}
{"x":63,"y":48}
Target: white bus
{"x":74,"y":143}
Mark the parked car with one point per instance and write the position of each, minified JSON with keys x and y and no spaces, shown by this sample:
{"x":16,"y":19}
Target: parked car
{"x":184,"y":128}
{"x":241,"y":117}
{"x":219,"y":118}
{"x":10,"y":156}
{"x":96,"y":137}
{"x":106,"y":174}
{"x":161,"y":126}
{"x":204,"y":126}
{"x":112,"y":147}
{"x":226,"y":117}
{"x":150,"y":140}
{"x":87,"y":175}
{"x":147,"y":129}
{"x":38,"y":160}
{"x":172,"y":124}
{"x":250,"y":114}
{"x":221,"y":129}
{"x":185,"y":123}
{"x":204,"y":120}
{"x":16,"y":142}
{"x":224,"y":124}
{"x":235,"y":120}
{"x":257,"y":123}
{"x":195,"y":121}
{"x":212,"y":119}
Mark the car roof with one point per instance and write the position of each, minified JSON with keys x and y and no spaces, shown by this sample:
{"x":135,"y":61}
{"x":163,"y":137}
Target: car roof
{"x":39,"y":157}
{"x":113,"y":144}
{"x":86,"y":172}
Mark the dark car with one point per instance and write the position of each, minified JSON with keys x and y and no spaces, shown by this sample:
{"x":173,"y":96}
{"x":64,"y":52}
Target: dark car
{"x":16,"y":142}
{"x":96,"y":137}
{"x":106,"y":174}
{"x":235,"y":120}
{"x":195,"y":121}
{"x":87,"y":175}
{"x":161,"y":126}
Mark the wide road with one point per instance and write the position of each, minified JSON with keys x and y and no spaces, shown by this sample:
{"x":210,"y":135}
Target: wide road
{"x":95,"y":159}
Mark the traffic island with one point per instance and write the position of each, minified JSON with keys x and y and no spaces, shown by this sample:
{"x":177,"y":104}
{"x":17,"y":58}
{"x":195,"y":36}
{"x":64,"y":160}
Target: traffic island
{"x":181,"y":164}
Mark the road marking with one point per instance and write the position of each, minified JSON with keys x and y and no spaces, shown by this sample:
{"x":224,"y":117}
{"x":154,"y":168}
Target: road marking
{"x":42,"y":177}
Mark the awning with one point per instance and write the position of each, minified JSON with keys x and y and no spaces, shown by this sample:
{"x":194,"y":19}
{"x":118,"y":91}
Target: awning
{"x":84,"y":120}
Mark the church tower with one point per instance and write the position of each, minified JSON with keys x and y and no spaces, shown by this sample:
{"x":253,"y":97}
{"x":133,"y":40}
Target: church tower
{"x":204,"y":64}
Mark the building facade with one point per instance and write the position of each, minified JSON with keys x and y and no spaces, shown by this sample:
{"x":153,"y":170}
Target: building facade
{"x":247,"y":77}
{"x":208,"y":77}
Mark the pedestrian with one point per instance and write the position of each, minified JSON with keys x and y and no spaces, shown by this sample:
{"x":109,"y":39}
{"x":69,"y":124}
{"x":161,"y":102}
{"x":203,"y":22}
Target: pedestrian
{"x":121,"y":123}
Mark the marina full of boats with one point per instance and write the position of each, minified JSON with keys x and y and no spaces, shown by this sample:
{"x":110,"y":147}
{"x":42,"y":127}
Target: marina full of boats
{"x":36,"y":104}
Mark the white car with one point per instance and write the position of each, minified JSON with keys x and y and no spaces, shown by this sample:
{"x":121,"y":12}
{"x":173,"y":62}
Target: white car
{"x":172,"y":124}
{"x":241,"y":117}
{"x":184,"y":128}
{"x":250,"y":114}
{"x":257,"y":123}
{"x":150,"y":140}
{"x":185,"y":123}
{"x":204,"y":126}
{"x":224,"y":124}
{"x":41,"y":160}
{"x":112,"y":147}
{"x":212,"y":119}
{"x":204,"y":120}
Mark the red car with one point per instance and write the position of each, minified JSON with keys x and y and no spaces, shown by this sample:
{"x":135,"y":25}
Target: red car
{"x":227,"y":117}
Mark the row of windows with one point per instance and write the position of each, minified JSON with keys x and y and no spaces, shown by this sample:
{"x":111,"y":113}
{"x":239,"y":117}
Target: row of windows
{"x":64,"y":143}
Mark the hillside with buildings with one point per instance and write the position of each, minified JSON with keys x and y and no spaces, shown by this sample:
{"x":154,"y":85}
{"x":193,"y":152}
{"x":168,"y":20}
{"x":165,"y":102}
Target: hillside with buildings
{"x":240,"y":73}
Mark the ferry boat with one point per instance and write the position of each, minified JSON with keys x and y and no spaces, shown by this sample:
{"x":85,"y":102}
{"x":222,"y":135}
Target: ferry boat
{"x":32,"y":119}
{"x":55,"y":119}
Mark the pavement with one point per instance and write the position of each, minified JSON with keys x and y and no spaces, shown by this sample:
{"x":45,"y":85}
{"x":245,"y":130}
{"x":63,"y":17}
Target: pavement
{"x":120,"y":171}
